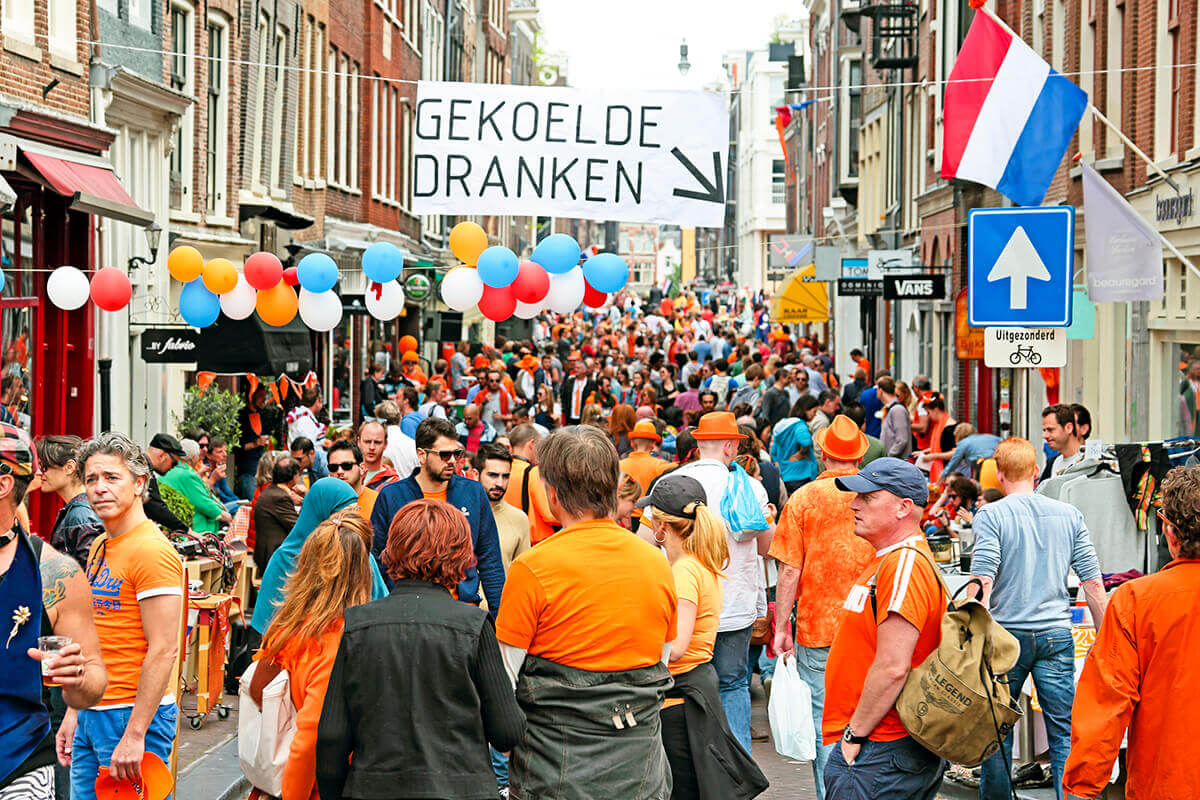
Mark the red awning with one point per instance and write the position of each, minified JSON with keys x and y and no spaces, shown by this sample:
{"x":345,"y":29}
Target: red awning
{"x":95,"y":190}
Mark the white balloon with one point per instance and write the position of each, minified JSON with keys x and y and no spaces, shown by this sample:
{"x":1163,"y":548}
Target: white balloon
{"x":527,"y":310}
{"x":566,"y":291}
{"x":238,"y":302}
{"x":321,"y":311}
{"x":462,"y":288}
{"x":68,"y":288}
{"x":385,"y":303}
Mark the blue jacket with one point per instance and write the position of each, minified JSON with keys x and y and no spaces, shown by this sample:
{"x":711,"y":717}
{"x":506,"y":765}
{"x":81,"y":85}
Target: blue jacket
{"x":791,"y":435}
{"x":468,"y":497}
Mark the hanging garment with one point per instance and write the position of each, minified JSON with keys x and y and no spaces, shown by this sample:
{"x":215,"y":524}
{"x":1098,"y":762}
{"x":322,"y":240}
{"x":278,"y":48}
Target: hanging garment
{"x":1098,"y":492}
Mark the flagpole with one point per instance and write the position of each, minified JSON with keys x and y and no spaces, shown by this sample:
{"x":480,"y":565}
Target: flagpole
{"x":1137,"y":150}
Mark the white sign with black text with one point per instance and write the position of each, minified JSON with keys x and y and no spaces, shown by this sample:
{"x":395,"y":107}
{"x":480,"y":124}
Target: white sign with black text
{"x":880,"y":261}
{"x":1024,"y":347}
{"x":633,"y":156}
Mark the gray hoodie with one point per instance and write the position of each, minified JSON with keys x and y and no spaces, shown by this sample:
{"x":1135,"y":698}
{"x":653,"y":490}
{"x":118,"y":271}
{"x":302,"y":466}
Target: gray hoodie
{"x":897,"y":430}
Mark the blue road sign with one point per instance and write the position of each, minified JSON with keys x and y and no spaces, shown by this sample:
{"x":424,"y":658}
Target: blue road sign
{"x":1020,"y":266}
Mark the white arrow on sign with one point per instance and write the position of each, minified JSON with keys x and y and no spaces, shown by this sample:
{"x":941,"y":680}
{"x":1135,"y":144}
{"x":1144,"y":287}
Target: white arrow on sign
{"x":1020,"y":263}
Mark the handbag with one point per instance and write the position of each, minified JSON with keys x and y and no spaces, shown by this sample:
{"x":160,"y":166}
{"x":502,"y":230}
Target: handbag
{"x":266,"y":725}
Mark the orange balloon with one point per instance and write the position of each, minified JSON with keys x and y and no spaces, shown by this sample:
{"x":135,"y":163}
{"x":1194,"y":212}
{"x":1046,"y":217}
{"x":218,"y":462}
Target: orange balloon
{"x":220,"y":276}
{"x":278,"y":305}
{"x":467,"y":241}
{"x":408,"y":343}
{"x":185,"y":264}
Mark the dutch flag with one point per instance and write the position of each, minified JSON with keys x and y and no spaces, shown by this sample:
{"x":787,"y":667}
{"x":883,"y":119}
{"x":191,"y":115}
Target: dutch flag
{"x":1008,"y":117}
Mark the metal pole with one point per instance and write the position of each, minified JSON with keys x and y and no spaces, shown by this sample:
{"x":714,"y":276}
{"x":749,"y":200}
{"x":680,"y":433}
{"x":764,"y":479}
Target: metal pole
{"x":1137,"y":150}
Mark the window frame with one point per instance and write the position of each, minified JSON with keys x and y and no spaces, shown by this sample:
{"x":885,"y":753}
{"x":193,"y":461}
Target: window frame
{"x":182,"y":160}
{"x":778,"y":181}
{"x":217,"y":144}
{"x":277,"y":111}
{"x":66,"y":43}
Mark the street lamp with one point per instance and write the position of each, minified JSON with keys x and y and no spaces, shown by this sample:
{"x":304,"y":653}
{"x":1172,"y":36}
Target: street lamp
{"x":684,"y":65}
{"x":153,"y":237}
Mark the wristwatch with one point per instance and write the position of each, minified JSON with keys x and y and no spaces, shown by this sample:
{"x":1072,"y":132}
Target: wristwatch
{"x":849,"y":738}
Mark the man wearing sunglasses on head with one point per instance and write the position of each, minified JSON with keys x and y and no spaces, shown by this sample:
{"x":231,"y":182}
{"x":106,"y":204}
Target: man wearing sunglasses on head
{"x":440,"y":453}
{"x":345,"y":464}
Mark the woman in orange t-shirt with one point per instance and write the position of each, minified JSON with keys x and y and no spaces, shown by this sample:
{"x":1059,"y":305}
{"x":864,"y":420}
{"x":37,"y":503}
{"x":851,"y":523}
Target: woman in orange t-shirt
{"x":333,"y":573}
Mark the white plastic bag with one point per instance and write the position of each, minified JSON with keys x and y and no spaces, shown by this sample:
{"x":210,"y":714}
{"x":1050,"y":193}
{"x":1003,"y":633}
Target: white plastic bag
{"x":265,"y":734}
{"x":790,"y":712}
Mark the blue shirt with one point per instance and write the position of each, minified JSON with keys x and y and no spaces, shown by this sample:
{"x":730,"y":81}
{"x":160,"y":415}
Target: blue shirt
{"x":409,"y":423}
{"x":1026,"y":543}
{"x":870,"y":403}
{"x":702,"y":349}
{"x":972,"y":448}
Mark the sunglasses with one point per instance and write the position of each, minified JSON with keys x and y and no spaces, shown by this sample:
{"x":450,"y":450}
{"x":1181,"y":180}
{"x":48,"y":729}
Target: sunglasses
{"x":202,"y":445}
{"x":343,"y":465}
{"x":1162,"y":519}
{"x":448,"y":455}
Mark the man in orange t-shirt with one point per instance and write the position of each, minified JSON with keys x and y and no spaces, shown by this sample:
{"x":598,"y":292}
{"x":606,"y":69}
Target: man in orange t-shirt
{"x":891,"y":620}
{"x":819,"y":559}
{"x":593,"y":606}
{"x":641,"y":464}
{"x":525,"y":488}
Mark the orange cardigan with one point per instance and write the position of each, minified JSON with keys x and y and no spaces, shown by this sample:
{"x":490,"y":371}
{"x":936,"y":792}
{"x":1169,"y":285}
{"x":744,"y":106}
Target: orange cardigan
{"x":309,"y":674}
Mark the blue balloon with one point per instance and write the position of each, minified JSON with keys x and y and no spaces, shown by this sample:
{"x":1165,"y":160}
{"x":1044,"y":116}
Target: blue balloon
{"x":382,"y":262}
{"x":197,"y":305}
{"x":557,"y":253}
{"x":497,"y":266}
{"x":317,"y":272}
{"x":606,"y":272}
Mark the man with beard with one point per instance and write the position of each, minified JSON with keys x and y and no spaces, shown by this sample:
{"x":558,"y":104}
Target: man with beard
{"x":493,"y":462}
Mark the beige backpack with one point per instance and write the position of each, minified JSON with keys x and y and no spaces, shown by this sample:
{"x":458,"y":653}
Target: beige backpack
{"x":957,"y":704}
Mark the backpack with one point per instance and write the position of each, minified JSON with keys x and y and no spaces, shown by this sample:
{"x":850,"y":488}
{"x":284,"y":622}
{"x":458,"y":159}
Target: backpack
{"x":953,"y":704}
{"x":265,"y":729}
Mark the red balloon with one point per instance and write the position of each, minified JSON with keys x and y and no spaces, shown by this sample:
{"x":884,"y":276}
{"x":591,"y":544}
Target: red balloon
{"x":532,"y":283}
{"x":593,"y":298}
{"x":291,"y":276}
{"x":110,"y":289}
{"x":263,"y":271}
{"x":497,"y":303}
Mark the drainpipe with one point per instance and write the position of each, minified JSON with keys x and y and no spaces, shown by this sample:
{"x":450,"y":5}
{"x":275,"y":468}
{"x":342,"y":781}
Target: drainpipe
{"x":105,"y":367}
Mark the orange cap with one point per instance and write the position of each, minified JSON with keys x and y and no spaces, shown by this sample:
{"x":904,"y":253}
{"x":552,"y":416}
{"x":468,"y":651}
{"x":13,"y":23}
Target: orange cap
{"x":156,"y":782}
{"x":410,"y":355}
{"x":717,"y":425}
{"x":645,"y":430}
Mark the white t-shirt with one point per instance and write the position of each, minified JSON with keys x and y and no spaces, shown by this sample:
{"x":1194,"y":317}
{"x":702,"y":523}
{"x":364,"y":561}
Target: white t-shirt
{"x":401,"y":450}
{"x":741,"y":584}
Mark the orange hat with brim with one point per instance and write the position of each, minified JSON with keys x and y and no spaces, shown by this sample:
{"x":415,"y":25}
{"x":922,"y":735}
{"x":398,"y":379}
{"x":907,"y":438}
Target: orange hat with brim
{"x":156,"y":782}
{"x":645,"y":430}
{"x":842,"y":440}
{"x":528,"y":362}
{"x":410,"y":356}
{"x":481,"y":361}
{"x":717,"y":425}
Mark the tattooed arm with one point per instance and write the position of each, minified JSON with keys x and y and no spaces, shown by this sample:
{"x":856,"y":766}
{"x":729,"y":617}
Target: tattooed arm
{"x":67,"y":598}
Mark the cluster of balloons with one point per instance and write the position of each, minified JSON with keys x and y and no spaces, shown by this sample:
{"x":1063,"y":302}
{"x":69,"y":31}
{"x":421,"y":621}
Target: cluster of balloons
{"x":502,"y":286}
{"x":69,"y":288}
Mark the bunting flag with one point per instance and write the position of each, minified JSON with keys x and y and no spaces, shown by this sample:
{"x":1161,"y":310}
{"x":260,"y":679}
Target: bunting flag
{"x":204,"y":380}
{"x":310,"y":380}
{"x":783,"y":117}
{"x":274,"y":387}
{"x":253,"y":379}
{"x":284,"y":386}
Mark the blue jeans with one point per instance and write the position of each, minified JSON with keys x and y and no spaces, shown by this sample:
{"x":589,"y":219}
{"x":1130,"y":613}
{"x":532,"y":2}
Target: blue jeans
{"x":499,"y":766}
{"x":246,"y":484}
{"x":99,"y":732}
{"x":810,"y":663}
{"x":899,"y":769}
{"x":731,"y":659}
{"x":1050,"y":656}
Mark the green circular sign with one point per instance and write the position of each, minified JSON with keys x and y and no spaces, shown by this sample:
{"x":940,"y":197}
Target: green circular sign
{"x":417,"y":286}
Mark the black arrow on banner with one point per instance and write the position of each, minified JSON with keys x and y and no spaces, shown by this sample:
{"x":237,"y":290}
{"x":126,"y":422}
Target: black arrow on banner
{"x":711,"y":193}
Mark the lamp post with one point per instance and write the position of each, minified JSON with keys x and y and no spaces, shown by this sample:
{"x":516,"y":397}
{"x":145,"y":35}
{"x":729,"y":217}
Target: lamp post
{"x":153,"y":235}
{"x":687,"y":241}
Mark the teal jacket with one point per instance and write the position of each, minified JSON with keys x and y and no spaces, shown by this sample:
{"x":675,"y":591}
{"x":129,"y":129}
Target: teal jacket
{"x":184,"y":480}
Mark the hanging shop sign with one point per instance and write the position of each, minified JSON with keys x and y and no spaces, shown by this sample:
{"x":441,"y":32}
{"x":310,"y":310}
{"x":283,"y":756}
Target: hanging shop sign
{"x":859,"y":287}
{"x":635,"y":156}
{"x":169,"y":345}
{"x":914,"y":287}
{"x":417,"y":286}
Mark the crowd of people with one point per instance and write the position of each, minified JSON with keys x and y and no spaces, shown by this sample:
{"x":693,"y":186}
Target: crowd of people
{"x":564,"y":560}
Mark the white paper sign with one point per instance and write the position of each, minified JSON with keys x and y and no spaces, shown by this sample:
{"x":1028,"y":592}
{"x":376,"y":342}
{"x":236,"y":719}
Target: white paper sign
{"x":880,"y":261}
{"x":635,"y":156}
{"x":1024,"y":347}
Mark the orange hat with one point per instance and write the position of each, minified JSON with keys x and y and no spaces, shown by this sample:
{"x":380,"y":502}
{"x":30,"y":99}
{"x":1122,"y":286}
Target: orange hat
{"x":987,"y":475}
{"x":410,"y":355}
{"x":156,"y":782}
{"x":481,"y":361}
{"x":717,"y":425}
{"x":528,"y":362}
{"x":645,"y":430}
{"x":842,"y":440}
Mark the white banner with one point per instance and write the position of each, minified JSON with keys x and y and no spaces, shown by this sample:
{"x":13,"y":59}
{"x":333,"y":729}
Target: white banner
{"x":607,"y":154}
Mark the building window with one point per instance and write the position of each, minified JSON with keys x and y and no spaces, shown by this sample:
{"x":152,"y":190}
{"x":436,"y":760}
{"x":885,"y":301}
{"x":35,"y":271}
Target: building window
{"x":432,"y":42}
{"x":1113,"y":63}
{"x":180,"y":61}
{"x":330,"y":120}
{"x":405,"y":196}
{"x":854,"y":118}
{"x":352,"y":138}
{"x":775,"y":95}
{"x":303,"y":124}
{"x":218,"y":115}
{"x":377,"y":137}
{"x":61,"y":24}
{"x":277,"y":111}
{"x":778,"y":181}
{"x":141,"y":13}
{"x":259,"y":135}
{"x":18,"y":22}
{"x":316,"y":114}
{"x":410,"y":22}
{"x":1176,"y":98}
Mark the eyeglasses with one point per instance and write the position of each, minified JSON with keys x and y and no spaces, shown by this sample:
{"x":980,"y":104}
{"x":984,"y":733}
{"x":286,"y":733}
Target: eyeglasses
{"x":448,"y":455}
{"x":1162,"y":519}
{"x":344,"y":465}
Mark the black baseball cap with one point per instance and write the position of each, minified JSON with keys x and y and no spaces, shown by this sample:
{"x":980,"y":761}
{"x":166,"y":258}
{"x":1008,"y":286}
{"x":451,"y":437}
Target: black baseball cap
{"x":890,"y":475}
{"x":676,"y":495}
{"x":168,"y":444}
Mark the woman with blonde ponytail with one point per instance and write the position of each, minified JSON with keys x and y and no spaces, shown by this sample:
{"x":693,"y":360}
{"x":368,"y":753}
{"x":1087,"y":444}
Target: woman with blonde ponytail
{"x":693,"y":719}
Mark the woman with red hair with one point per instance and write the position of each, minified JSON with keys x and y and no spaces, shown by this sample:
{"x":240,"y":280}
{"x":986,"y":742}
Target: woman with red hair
{"x":418,"y":690}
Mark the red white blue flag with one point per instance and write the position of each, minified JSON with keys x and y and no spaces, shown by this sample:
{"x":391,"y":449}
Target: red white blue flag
{"x":1008,"y":117}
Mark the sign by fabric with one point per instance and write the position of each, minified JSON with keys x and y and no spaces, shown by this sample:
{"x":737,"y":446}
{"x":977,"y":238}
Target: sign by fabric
{"x":169,"y":345}
{"x":803,"y":299}
{"x":634,"y":156}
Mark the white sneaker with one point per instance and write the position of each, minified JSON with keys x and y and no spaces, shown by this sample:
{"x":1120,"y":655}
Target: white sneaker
{"x":504,"y":793}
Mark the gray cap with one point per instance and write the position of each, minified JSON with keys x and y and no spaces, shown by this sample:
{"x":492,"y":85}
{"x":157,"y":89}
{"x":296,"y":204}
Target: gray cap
{"x":890,"y":475}
{"x":676,"y":495}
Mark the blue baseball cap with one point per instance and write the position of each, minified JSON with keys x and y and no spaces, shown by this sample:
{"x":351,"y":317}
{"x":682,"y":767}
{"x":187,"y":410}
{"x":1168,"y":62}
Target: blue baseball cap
{"x":889,"y":475}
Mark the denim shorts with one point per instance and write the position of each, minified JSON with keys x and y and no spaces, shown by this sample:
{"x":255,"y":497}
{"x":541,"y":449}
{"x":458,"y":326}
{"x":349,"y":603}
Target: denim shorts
{"x":99,"y":731}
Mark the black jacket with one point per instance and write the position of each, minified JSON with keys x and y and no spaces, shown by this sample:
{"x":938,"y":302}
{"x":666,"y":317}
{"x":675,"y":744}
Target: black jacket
{"x":568,"y":390}
{"x":724,"y":771}
{"x":417,"y":692}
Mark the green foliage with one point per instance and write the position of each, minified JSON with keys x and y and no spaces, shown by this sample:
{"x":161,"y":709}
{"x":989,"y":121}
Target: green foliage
{"x":178,"y":504}
{"x":215,"y":411}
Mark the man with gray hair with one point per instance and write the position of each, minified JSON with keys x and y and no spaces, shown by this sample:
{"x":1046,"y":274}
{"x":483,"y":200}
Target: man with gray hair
{"x":137,"y":589}
{"x":208,"y":512}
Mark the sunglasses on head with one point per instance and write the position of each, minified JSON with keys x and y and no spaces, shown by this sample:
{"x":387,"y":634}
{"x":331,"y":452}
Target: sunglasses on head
{"x":448,"y":455}
{"x":342,"y":465}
